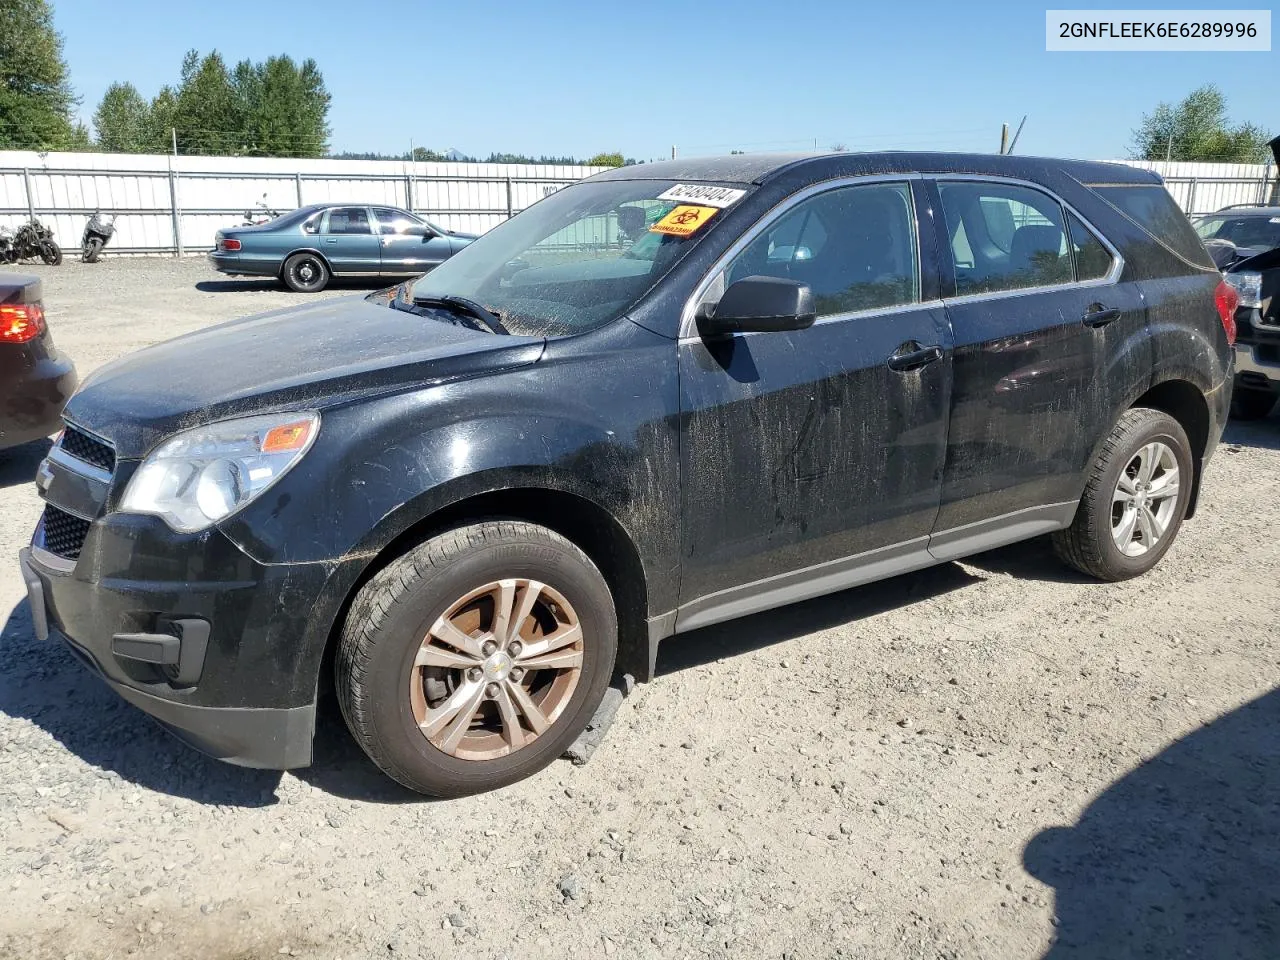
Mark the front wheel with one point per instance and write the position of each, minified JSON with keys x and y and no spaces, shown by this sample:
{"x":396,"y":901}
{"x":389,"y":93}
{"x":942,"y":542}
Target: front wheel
{"x":305,"y":273}
{"x":1134,"y":500}
{"x":92,"y":250}
{"x":50,"y":253}
{"x":475,"y":659}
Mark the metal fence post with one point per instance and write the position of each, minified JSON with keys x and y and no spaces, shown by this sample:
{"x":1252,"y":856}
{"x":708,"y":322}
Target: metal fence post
{"x":1191,"y":196}
{"x":297,"y":183}
{"x":31,"y":203}
{"x":408,"y":192}
{"x":176,"y":212}
{"x":509,"y":206}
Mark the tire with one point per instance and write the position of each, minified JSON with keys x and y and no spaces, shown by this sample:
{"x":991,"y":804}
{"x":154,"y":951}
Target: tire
{"x":305,"y":273}
{"x":1090,"y":543}
{"x":92,"y":250}
{"x":50,"y":253}
{"x":1248,"y":404}
{"x":386,"y":692}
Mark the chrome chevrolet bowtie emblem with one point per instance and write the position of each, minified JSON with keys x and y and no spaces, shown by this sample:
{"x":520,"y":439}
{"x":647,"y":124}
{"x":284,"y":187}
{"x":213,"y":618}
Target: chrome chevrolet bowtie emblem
{"x":44,"y":477}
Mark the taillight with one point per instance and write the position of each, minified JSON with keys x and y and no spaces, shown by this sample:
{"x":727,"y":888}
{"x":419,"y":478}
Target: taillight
{"x":229,"y":243}
{"x":1226,"y":299}
{"x":20,"y":322}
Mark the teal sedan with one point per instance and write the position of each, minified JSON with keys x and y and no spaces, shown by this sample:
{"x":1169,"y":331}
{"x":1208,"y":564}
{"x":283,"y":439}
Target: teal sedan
{"x":307,"y":247}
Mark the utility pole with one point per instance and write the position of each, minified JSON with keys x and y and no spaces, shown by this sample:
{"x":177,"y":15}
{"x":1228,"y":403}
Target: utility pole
{"x":1168,"y":148}
{"x":1004,"y":139}
{"x":174,"y":131}
{"x":1017,"y":133}
{"x":673,"y":151}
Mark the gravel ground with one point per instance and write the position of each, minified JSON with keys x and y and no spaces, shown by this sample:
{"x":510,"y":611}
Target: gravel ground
{"x":988,"y":759}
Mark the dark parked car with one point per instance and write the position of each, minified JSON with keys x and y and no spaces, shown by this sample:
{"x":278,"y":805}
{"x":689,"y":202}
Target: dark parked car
{"x":308,"y":246}
{"x":35,"y":379}
{"x":474,"y":500}
{"x":1245,"y":243}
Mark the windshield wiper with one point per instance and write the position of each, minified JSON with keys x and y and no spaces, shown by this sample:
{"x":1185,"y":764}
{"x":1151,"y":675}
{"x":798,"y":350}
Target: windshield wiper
{"x":470,"y":308}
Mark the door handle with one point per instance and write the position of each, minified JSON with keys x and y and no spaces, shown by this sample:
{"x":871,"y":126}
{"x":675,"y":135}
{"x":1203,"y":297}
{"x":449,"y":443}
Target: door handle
{"x":912,"y":356}
{"x":1099,"y":316}
{"x":330,"y":239}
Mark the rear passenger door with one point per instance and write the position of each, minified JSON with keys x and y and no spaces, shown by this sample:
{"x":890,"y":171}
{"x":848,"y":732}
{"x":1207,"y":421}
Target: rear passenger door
{"x":1046,"y":341}
{"x":811,"y":459}
{"x":348,"y":242}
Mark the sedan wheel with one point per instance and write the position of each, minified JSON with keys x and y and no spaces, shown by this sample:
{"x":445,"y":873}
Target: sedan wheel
{"x":305,"y":273}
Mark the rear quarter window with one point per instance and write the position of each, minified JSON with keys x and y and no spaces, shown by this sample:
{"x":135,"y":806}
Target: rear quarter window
{"x":1152,"y":209}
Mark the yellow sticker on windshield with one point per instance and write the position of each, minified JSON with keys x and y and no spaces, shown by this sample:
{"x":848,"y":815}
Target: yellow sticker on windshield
{"x":684,"y":221}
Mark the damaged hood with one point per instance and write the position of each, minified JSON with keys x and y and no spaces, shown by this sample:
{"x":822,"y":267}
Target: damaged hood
{"x":310,"y":356}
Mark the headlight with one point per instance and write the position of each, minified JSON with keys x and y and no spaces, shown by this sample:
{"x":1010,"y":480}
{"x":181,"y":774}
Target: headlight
{"x":204,"y":475}
{"x":1248,"y":285}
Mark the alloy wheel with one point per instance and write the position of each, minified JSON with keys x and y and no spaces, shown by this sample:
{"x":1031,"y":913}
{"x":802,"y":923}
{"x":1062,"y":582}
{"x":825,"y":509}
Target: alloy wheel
{"x":1145,"y":500}
{"x":496,"y":670}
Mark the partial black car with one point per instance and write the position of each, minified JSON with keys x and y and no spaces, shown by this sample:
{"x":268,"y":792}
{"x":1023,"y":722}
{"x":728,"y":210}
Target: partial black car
{"x":35,"y":379}
{"x":664,"y":397}
{"x":1245,"y":243}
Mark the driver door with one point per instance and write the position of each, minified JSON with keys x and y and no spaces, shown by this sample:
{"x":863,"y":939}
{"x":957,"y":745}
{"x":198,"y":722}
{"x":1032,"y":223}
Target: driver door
{"x":812,"y":459}
{"x":408,"y":246}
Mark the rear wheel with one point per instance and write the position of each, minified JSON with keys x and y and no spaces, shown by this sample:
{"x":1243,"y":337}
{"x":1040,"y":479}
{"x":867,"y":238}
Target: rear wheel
{"x":305,"y":273}
{"x":1247,"y":404}
{"x":1134,"y":500}
{"x":50,"y":253}
{"x":475,"y":659}
{"x":92,"y":250}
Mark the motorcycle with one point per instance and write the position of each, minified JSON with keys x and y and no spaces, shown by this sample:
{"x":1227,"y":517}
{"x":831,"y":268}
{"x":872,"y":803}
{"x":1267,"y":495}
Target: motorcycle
{"x":260,"y":213}
{"x":8,"y":252}
{"x":100,"y":229}
{"x":34,"y":239}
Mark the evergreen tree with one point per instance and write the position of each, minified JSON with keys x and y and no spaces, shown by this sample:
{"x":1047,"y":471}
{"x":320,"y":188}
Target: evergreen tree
{"x":35,"y":94}
{"x":122,"y":120}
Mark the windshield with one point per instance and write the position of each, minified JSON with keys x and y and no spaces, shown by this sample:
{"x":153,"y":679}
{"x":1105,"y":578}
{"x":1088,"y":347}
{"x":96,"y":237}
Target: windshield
{"x":1255,"y":231}
{"x":578,"y":259}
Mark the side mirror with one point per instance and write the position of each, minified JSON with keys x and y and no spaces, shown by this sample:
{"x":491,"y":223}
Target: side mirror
{"x":758,"y":304}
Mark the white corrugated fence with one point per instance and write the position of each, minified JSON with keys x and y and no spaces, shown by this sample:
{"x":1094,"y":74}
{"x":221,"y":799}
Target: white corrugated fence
{"x":166,"y":203}
{"x":174,"y":204}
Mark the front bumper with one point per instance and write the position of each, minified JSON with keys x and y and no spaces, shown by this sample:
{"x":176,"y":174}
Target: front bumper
{"x":247,"y":694}
{"x":31,"y":403}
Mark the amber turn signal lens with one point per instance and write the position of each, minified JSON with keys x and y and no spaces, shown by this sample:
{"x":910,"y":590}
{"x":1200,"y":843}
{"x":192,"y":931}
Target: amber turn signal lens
{"x":287,"y":437}
{"x":20,"y":322}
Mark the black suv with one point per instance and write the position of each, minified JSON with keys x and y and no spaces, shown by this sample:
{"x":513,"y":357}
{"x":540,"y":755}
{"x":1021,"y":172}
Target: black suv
{"x":667,"y":396}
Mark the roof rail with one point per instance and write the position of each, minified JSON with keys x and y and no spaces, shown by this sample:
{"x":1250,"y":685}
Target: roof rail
{"x":1238,"y":206}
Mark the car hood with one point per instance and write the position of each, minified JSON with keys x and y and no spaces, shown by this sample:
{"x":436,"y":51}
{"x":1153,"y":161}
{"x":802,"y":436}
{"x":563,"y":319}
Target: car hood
{"x":310,"y":356}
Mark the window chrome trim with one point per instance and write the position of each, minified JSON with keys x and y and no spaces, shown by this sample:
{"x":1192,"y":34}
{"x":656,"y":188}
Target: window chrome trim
{"x":1111,"y":278}
{"x":688,"y":327}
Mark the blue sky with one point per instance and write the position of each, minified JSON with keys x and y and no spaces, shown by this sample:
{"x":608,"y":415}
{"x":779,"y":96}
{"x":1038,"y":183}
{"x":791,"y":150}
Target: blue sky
{"x":579,"y":78}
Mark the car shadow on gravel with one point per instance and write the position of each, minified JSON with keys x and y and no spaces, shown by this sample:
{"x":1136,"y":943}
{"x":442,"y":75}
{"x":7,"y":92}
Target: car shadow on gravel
{"x":18,"y":464}
{"x":708,"y":644}
{"x":1028,"y":560}
{"x":270,"y":284}
{"x":46,"y":684}
{"x":1181,"y":856}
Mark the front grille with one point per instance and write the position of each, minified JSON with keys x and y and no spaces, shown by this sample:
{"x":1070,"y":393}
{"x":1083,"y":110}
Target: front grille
{"x":90,"y":449}
{"x":64,"y":533}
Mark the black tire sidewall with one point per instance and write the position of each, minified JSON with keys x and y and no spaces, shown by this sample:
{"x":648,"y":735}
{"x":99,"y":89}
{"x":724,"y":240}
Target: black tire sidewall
{"x":293,"y":282}
{"x":1167,"y":430}
{"x":93,"y":250}
{"x":1250,"y":404}
{"x":415,"y":761}
{"x":51,"y":253}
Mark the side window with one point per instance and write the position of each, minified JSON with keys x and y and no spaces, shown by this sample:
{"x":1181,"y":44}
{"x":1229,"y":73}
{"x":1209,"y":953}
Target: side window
{"x":1004,"y":237}
{"x":854,"y":246}
{"x":349,"y":220}
{"x":392,"y":221}
{"x":1093,"y":260}
{"x":312,"y":224}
